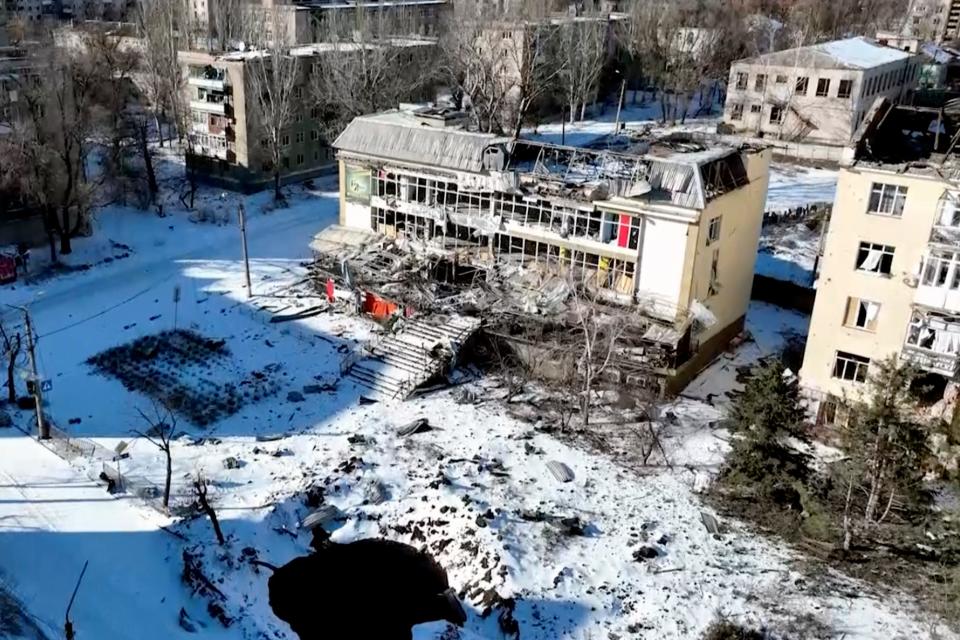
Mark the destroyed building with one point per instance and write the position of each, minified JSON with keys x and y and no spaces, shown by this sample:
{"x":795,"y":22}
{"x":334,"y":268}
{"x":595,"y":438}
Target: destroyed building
{"x":889,"y":283}
{"x":665,"y":230}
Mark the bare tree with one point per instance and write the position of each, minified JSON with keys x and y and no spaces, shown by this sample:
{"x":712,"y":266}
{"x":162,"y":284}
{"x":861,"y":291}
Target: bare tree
{"x":273,"y":76}
{"x":682,"y":47}
{"x":11,"y":344}
{"x":163,"y":25}
{"x":501,"y":65}
{"x":371,"y":71}
{"x":200,"y":487}
{"x":596,"y":343}
{"x":45,"y":155}
{"x":161,"y":426}
{"x":582,"y":46}
{"x":231,"y":22}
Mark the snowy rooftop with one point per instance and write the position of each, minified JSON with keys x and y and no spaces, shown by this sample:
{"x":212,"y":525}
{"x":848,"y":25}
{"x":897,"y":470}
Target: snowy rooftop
{"x":852,"y":53}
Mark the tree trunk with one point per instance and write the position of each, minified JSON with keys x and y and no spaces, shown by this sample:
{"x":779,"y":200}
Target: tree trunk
{"x":277,"y":196}
{"x":847,"y":532}
{"x":166,"y":480}
{"x":52,"y":241}
{"x":207,"y":509}
{"x":11,"y":380}
{"x":156,"y":117}
{"x":148,"y":162}
{"x":583,"y":110}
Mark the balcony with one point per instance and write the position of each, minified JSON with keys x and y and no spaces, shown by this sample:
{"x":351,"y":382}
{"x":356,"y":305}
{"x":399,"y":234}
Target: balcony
{"x":933,"y":341}
{"x":206,"y":106}
{"x":944,"y":364}
{"x":213,"y":84}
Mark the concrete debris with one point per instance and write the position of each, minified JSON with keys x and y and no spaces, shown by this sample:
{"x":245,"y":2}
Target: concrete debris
{"x":322,"y":517}
{"x":560,"y":471}
{"x":710,"y":522}
{"x":417,"y":426}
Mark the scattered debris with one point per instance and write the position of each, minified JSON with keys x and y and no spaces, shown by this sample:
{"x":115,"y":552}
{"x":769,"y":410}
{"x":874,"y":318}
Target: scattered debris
{"x":323,"y":516}
{"x":560,"y":471}
{"x":232,"y":463}
{"x":417,"y":426}
{"x":710,"y":522}
{"x":295,"y":396}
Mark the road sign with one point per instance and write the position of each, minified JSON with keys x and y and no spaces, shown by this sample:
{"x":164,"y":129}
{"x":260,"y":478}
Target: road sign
{"x":46,"y":385}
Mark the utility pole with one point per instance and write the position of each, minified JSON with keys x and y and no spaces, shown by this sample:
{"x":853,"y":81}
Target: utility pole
{"x":42,"y":427}
{"x":623,"y":88}
{"x":246,"y":259}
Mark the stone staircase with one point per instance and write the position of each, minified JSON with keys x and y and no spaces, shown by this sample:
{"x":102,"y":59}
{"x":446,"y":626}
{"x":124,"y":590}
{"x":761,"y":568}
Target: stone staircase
{"x":402,"y":361}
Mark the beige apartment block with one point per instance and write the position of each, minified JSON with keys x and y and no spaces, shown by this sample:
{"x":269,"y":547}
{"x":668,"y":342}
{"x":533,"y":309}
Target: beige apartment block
{"x":819,"y":93}
{"x":227,"y":143}
{"x":668,"y":227}
{"x":889,"y":283}
{"x":936,"y":20}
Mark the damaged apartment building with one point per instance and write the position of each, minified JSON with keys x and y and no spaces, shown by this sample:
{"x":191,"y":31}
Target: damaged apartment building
{"x":889,"y":283}
{"x":664,"y":231}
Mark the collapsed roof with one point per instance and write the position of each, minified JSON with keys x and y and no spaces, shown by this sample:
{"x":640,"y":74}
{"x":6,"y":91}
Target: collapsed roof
{"x":901,"y":134}
{"x":674,"y":169}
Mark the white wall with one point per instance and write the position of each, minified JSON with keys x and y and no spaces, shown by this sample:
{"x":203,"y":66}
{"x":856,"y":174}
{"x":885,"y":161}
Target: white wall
{"x":661,"y":259}
{"x":357,"y":215}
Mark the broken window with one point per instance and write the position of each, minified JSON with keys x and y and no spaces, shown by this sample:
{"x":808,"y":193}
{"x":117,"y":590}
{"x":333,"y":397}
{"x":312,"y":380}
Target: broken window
{"x":776,"y":114}
{"x":845,"y":89}
{"x":713,"y":231}
{"x":949,"y":211}
{"x":756,"y":108}
{"x":934,"y":334}
{"x":760,"y":82}
{"x":887,"y":199}
{"x":875,"y":258}
{"x":714,"y":286}
{"x":861,"y":314}
{"x":801,"y":87}
{"x":781,"y":79}
{"x":941,"y":269}
{"x":736,"y":112}
{"x":849,"y":366}
{"x":741,"y":81}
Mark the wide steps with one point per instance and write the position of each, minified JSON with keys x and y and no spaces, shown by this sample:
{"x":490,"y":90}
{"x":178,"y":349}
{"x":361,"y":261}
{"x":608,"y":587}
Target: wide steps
{"x":403,"y":361}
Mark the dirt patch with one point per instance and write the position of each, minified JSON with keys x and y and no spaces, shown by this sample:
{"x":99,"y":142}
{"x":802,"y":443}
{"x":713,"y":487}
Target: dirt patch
{"x":193,"y":375}
{"x":366,"y":589}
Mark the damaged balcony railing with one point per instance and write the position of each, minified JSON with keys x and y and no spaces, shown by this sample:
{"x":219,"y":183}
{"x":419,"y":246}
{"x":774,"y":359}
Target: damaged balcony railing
{"x":945,"y":364}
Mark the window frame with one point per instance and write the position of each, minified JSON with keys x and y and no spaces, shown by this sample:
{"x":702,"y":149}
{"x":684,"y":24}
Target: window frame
{"x":713,"y":230}
{"x":845,"y":84}
{"x":825,"y":91}
{"x":894,"y":196}
{"x":802,"y":85}
{"x":743,"y":81}
{"x":778,"y":110}
{"x":857,"y":365}
{"x":760,"y":83}
{"x":856,"y":307}
{"x":736,"y":111}
{"x":887,"y":254}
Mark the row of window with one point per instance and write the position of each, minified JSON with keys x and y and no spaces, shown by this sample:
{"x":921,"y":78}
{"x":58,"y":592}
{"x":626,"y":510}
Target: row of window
{"x":299,"y":160}
{"x":299,"y":137}
{"x":801,"y":85}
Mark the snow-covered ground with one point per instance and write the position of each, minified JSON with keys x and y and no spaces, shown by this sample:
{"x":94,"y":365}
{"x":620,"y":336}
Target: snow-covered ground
{"x":634,"y":117}
{"x":788,"y":250}
{"x":474,"y":489}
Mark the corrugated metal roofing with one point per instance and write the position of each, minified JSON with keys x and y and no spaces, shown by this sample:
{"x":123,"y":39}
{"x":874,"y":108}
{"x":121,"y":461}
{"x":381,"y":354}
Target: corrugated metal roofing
{"x":396,"y":135}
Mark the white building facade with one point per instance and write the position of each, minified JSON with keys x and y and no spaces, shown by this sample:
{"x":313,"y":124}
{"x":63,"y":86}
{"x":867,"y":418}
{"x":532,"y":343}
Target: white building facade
{"x":816,"y":94}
